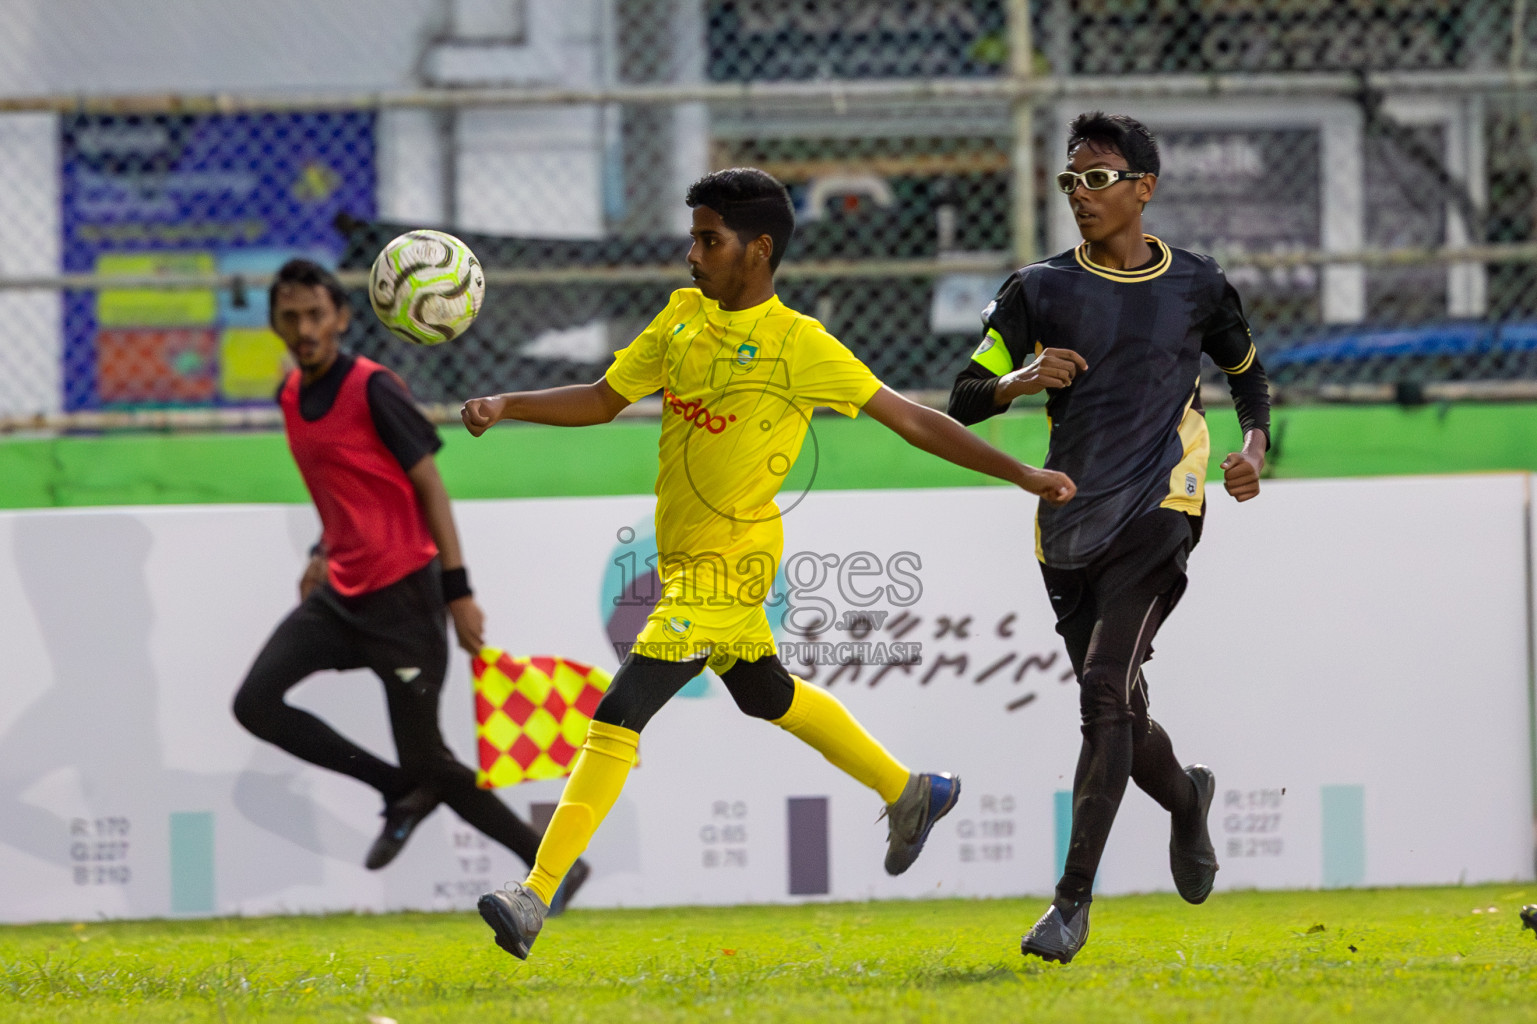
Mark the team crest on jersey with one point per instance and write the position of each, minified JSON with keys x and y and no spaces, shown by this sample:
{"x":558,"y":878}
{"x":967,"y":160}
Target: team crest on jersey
{"x":746,"y":356}
{"x":679,"y":628}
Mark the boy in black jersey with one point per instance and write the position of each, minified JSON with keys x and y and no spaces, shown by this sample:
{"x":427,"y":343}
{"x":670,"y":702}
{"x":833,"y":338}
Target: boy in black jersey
{"x":1114,"y":330}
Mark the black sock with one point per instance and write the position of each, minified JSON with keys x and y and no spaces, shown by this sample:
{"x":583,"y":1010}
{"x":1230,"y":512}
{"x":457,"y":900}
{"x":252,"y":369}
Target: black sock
{"x":1158,"y":773}
{"x":484,"y":811}
{"x":1104,"y":765}
{"x":418,"y":793}
{"x":1069,"y":908}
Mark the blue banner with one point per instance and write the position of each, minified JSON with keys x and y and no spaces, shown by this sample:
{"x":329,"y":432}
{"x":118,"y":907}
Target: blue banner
{"x":196,"y":194}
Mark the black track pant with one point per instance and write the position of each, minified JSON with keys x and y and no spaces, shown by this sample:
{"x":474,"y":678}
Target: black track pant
{"x":1108,"y":613}
{"x":399,"y":633}
{"x":762,"y":688}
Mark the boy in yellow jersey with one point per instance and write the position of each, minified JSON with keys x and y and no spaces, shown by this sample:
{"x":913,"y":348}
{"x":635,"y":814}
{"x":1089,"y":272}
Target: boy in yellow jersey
{"x":739,"y":373}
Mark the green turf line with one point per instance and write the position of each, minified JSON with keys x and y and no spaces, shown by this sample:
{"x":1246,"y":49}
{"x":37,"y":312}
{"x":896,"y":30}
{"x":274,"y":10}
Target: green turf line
{"x":620,"y":458}
{"x":1394,"y":956}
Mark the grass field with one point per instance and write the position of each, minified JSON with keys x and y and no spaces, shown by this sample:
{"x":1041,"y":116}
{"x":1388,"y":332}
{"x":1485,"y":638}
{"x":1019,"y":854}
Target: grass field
{"x":1400,"y":955}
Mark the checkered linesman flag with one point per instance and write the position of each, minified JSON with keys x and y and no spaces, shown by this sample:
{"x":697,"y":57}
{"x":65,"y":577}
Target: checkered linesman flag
{"x":531,"y":715}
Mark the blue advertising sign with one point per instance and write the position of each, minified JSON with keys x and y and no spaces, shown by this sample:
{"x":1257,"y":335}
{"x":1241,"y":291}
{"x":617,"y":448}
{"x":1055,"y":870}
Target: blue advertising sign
{"x":196,"y":194}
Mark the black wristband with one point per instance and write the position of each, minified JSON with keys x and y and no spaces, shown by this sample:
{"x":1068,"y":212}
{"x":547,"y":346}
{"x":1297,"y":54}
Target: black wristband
{"x":456,"y":584}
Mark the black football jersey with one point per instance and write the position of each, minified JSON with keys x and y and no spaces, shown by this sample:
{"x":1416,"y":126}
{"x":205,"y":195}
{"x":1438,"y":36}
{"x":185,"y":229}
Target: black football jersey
{"x":1130,"y":430}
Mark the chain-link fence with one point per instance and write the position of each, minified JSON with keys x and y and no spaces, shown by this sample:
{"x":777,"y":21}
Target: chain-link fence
{"x":1367,"y":172}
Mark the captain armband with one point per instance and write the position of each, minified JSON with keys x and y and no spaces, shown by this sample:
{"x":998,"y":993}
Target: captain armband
{"x":993,"y":355}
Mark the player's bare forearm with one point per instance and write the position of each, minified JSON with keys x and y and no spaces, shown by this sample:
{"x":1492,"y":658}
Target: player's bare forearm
{"x":435,"y":506}
{"x":940,"y":435}
{"x":577,"y":405}
{"x":1241,"y":469}
{"x":469,"y":620}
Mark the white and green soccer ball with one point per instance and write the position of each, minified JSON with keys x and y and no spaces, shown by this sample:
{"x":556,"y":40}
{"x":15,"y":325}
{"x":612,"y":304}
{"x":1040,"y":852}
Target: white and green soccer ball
{"x":427,"y":287}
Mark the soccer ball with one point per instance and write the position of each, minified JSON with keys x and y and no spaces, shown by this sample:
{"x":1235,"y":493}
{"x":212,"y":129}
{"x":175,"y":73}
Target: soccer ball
{"x":427,"y":287}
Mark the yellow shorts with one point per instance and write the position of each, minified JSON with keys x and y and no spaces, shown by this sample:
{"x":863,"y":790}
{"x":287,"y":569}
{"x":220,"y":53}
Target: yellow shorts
{"x":679,"y":630}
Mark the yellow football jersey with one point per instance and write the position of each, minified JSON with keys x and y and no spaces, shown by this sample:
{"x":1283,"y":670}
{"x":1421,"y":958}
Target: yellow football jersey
{"x":738,"y":389}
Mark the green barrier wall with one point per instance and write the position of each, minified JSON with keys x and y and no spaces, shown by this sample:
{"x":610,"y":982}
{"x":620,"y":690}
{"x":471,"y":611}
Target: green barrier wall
{"x":518,"y":461}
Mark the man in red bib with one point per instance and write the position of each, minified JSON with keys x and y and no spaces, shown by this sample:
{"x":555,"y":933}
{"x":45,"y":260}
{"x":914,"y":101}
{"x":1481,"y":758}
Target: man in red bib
{"x":375,"y":590}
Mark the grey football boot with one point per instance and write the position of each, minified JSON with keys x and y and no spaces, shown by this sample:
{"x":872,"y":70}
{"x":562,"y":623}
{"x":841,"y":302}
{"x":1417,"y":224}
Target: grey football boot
{"x":1192,"y":860}
{"x":924,"y":800}
{"x":1055,"y":937}
{"x":515,"y":914}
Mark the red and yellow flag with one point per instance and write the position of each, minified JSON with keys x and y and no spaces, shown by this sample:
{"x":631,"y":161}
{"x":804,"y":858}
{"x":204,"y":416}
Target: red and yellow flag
{"x":531,"y":715}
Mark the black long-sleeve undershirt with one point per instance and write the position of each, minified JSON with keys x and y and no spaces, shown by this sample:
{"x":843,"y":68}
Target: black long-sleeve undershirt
{"x":972,"y":395}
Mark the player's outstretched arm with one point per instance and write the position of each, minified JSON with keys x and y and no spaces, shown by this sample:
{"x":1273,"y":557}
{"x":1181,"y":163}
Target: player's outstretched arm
{"x":1241,"y":469}
{"x":938,"y":434}
{"x":578,"y":405}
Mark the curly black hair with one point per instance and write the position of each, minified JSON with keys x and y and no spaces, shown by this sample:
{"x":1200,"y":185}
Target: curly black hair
{"x":751,"y":202}
{"x":1126,"y":135}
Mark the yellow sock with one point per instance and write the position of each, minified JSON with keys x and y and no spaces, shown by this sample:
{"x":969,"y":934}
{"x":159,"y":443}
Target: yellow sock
{"x":596,"y":779}
{"x":818,"y":719}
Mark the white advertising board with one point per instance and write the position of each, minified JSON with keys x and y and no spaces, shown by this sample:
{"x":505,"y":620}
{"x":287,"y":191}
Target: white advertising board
{"x":1350,"y":658}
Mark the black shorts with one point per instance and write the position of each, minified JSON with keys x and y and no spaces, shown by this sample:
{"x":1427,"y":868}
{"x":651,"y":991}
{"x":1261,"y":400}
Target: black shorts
{"x":1109,"y":611}
{"x":400,"y":632}
{"x":763,"y":688}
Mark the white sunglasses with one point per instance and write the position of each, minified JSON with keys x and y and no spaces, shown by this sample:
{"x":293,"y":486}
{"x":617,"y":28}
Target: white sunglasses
{"x":1095,"y":178}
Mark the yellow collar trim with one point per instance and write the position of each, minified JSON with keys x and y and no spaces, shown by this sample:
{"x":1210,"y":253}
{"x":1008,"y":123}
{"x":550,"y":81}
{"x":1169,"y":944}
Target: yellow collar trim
{"x":728,"y":317}
{"x":1081,"y":254}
